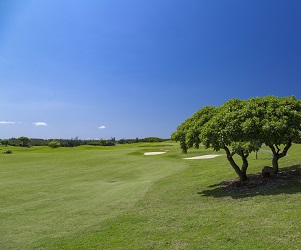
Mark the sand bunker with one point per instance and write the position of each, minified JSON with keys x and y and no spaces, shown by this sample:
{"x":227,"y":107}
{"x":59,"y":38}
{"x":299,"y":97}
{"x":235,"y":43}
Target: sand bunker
{"x":154,"y":153}
{"x":201,"y":157}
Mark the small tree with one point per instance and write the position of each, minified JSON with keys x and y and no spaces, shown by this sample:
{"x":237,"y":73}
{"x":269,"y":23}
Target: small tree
{"x":24,"y":140}
{"x":242,"y":126}
{"x":220,"y":128}
{"x":279,"y":124}
{"x":224,"y":131}
{"x":5,"y":142}
{"x":188,"y":132}
{"x":54,"y":144}
{"x":14,"y":142}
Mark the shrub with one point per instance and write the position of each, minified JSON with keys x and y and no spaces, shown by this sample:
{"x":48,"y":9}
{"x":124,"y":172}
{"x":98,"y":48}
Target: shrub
{"x":54,"y":144}
{"x":8,"y":152}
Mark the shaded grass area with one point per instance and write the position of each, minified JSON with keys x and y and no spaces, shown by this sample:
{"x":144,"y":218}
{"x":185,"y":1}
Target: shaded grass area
{"x":133,"y":201}
{"x":257,"y":185}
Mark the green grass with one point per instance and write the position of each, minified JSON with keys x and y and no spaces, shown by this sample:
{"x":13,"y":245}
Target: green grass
{"x":117,"y":198}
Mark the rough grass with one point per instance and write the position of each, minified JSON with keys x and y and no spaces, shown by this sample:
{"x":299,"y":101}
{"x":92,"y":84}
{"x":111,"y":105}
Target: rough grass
{"x":117,"y":198}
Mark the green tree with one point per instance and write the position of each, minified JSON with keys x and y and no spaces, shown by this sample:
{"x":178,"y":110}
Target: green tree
{"x":24,"y":140}
{"x":188,"y":132}
{"x":224,"y":131}
{"x":14,"y":142}
{"x":220,"y":128}
{"x":4,"y":142}
{"x":54,"y":144}
{"x":242,"y":126}
{"x":278,"y":124}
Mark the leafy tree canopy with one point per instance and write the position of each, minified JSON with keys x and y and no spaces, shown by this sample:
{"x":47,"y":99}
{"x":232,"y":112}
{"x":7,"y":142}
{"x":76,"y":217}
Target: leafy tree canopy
{"x":189,"y":131}
{"x":24,"y":140}
{"x":242,"y":126}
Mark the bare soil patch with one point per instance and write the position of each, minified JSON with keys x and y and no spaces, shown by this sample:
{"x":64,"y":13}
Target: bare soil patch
{"x":256,"y":181}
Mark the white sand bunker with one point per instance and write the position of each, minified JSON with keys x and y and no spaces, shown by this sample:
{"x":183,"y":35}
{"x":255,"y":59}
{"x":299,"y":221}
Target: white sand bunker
{"x":201,"y":157}
{"x":154,"y":153}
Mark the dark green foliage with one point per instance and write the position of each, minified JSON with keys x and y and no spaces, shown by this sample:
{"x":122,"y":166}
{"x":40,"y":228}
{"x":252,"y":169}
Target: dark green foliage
{"x":4,"y":142}
{"x":242,"y":126}
{"x":74,"y":142}
{"x":24,"y":141}
{"x":107,"y":143}
{"x":54,"y":144}
{"x":278,"y":123}
{"x":14,"y":142}
{"x":188,"y":132}
{"x":8,"y":152}
{"x":152,"y":139}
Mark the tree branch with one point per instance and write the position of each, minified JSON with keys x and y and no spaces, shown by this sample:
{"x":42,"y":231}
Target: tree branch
{"x":273,"y":149}
{"x":286,"y":148}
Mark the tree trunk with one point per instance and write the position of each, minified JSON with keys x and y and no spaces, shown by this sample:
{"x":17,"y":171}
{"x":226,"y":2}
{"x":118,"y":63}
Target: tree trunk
{"x":241,"y":173}
{"x":275,"y":164}
{"x":277,"y":155}
{"x":245,"y":164}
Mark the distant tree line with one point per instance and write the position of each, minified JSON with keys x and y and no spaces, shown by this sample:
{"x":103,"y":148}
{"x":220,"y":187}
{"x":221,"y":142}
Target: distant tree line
{"x":73,"y":142}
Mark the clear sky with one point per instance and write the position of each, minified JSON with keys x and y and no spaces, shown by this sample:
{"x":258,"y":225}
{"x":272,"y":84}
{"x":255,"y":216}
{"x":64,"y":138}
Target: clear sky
{"x":138,"y":68}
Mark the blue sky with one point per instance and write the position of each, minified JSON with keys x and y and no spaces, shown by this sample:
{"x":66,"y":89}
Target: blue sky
{"x":127,"y":69}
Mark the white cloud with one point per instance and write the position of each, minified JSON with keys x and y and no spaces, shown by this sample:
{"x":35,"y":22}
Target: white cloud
{"x":40,"y":124}
{"x":102,"y":127}
{"x":6,"y":122}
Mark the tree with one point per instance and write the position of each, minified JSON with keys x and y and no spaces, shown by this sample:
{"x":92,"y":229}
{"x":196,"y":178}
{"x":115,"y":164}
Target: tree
{"x":242,"y":126}
{"x":188,"y":132}
{"x":14,"y":142}
{"x":24,"y":140}
{"x":279,"y":124}
{"x":224,"y":131}
{"x":152,"y":139}
{"x":54,"y":144}
{"x":219,"y":128}
{"x":4,"y":142}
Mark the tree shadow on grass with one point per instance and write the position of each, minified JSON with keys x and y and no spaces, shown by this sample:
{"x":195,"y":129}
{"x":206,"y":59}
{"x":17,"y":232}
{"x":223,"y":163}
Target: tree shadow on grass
{"x":287,"y":181}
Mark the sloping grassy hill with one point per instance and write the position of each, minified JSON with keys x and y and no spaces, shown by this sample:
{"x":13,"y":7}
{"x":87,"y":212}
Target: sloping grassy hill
{"x":118,"y":198}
